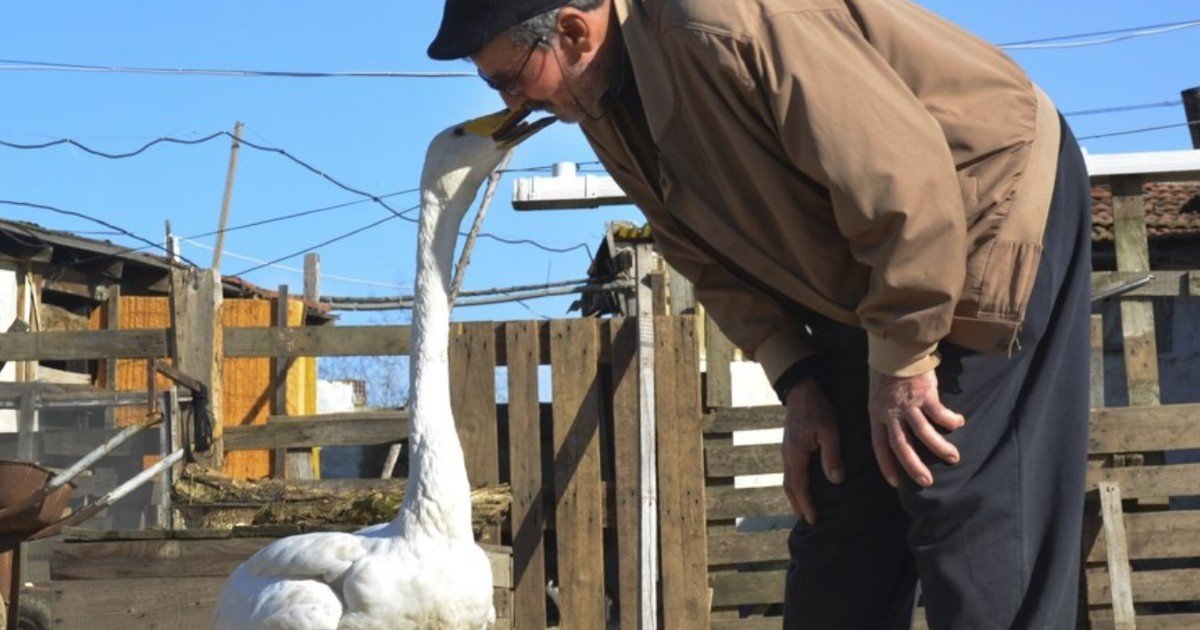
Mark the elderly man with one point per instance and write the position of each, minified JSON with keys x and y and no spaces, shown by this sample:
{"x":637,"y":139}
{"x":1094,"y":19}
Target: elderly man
{"x":892,"y":219}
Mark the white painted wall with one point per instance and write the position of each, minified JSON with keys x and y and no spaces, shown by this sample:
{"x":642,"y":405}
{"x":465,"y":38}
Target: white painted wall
{"x":750,"y":388}
{"x":8,"y":313}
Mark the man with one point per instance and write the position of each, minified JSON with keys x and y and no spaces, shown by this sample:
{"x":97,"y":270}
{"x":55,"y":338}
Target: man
{"x":884,"y":212}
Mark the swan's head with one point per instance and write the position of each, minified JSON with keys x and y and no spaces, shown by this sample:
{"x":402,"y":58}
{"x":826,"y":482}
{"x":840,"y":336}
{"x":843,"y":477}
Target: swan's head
{"x":463,"y":155}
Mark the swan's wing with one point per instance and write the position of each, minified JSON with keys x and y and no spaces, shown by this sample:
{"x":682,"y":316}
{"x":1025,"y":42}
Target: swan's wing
{"x":269,"y":603}
{"x":325,"y":556}
{"x":289,"y":584}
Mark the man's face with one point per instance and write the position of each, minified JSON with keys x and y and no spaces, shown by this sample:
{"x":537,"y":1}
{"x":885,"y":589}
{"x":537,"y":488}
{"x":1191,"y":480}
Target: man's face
{"x":563,"y":79}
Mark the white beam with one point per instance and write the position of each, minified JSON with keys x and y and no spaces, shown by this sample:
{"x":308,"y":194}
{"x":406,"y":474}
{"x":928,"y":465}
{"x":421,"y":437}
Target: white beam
{"x":568,"y":190}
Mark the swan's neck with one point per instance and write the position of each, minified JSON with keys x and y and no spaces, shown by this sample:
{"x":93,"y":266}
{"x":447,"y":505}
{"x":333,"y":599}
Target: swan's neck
{"x":437,"y":499}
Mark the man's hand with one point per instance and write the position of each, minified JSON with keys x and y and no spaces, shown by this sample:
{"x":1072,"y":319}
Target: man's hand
{"x":809,"y":426}
{"x":903,"y":408}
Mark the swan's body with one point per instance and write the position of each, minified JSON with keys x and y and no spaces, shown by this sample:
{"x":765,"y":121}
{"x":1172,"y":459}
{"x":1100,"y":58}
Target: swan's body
{"x":422,"y":569}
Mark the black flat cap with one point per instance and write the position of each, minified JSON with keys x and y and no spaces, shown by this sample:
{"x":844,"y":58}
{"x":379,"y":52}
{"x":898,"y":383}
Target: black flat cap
{"x":468,"y":25}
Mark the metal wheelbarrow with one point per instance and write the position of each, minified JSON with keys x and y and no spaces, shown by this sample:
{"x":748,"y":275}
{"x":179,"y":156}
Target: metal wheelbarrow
{"x":33,"y":500}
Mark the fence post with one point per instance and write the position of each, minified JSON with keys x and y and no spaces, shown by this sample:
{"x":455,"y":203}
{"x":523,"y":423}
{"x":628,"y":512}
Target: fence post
{"x":625,"y":378}
{"x":579,"y":504}
{"x":525,"y":474}
{"x":197,"y":344}
{"x":682,"y":508}
{"x":473,"y":401}
{"x":112,"y":321}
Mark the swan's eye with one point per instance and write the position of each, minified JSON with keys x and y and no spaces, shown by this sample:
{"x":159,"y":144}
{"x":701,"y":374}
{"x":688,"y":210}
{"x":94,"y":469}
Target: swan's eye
{"x":458,"y":131}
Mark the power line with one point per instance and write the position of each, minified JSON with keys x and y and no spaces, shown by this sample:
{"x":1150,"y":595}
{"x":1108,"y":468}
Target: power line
{"x":24,"y":65}
{"x":377,"y":199}
{"x":324,"y":276}
{"x":111,"y":156}
{"x":483,"y":297}
{"x":1116,"y":36}
{"x":1123,"y":108}
{"x":167,"y":139}
{"x":326,"y":242}
{"x":305,"y":213}
{"x":41,"y":206}
{"x":1142,"y":130}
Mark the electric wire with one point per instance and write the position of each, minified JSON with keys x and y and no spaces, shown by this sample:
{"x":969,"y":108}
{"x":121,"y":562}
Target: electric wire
{"x":1123,"y":108}
{"x":42,"y":206}
{"x":25,"y":65}
{"x":297,"y":270}
{"x":377,"y":199}
{"x":330,"y":241}
{"x":1156,"y":28}
{"x":112,"y":156}
{"x":1127,"y":132}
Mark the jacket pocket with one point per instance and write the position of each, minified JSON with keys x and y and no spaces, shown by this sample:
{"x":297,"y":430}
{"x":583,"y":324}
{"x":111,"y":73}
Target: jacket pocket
{"x":1008,"y":279}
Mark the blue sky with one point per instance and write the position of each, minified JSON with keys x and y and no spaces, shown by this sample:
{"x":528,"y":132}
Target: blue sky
{"x":371,"y":133}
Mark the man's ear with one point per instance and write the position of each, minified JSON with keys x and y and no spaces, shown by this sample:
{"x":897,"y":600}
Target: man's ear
{"x":575,"y":30}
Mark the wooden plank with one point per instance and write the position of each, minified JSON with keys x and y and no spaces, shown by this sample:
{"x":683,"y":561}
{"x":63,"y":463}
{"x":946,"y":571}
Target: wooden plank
{"x":473,"y":398}
{"x":681,"y":491}
{"x":744,"y":419}
{"x":1183,"y":621}
{"x":313,"y":431}
{"x":182,"y":603}
{"x":49,"y":399}
{"x":91,"y":344}
{"x":196,"y":343}
{"x":1096,"y":367}
{"x":681,"y":293}
{"x":758,"y":587}
{"x":1147,"y":482}
{"x":1162,"y":283}
{"x":1141,"y":429}
{"x":76,"y":443}
{"x":748,"y":623}
{"x":317,"y":341}
{"x":645,"y":262}
{"x":574,"y":347}
{"x":726,"y":502}
{"x":730,"y":461}
{"x":1171,"y":585}
{"x":1174,"y":534}
{"x":177,"y":602}
{"x":1113,"y":429}
{"x":1120,"y":586}
{"x":623,"y":335}
{"x":112,"y":321}
{"x":163,"y":558}
{"x":525,"y":472}
{"x":718,"y":352}
{"x":1137,"y":314}
{"x":26,"y":423}
{"x":735,"y":548}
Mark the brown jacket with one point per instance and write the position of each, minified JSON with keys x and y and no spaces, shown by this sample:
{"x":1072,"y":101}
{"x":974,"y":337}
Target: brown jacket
{"x":861,"y":158}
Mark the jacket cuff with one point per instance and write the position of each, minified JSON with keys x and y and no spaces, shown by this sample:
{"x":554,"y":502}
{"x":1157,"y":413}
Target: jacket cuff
{"x":900,"y":358}
{"x":781,"y":350}
{"x":802,"y":370}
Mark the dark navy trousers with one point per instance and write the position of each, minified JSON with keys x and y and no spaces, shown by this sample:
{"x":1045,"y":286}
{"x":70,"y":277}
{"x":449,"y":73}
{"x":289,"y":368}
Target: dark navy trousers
{"x":995,"y":542}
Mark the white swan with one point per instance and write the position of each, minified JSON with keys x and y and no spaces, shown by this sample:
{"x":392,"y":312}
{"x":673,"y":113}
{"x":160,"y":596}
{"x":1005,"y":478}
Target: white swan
{"x":422,"y":569}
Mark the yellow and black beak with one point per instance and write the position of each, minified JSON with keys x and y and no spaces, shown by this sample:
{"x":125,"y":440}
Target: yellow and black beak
{"x":507,"y":128}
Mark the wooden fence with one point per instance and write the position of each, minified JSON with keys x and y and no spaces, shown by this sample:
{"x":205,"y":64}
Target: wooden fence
{"x":570,"y":451}
{"x":572,"y":461}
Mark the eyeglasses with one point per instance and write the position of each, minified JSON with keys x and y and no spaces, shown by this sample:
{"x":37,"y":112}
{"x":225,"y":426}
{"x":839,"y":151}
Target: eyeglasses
{"x":508,"y":85}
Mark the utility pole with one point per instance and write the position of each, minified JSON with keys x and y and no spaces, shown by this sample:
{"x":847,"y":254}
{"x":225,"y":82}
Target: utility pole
{"x":229,"y":176}
{"x":171,"y":243}
{"x":1191,"y":105}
